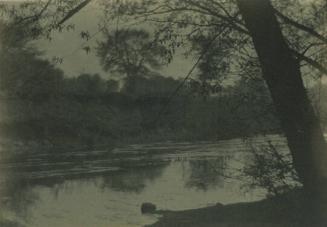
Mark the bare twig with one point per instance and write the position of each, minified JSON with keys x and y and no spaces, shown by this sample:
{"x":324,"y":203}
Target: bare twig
{"x":164,"y":108}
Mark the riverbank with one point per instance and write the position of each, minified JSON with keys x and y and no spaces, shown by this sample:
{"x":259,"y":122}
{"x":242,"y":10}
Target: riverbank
{"x":282,"y":211}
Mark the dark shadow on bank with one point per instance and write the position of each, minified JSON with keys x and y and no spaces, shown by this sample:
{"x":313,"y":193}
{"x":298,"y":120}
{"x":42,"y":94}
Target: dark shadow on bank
{"x":287,"y":210}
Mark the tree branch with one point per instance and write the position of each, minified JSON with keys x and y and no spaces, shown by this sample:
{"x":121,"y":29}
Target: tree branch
{"x":202,"y":9}
{"x":37,"y":16}
{"x":300,"y":26}
{"x":310,"y":61}
{"x":74,"y":11}
{"x":202,"y":55}
{"x":234,"y":23}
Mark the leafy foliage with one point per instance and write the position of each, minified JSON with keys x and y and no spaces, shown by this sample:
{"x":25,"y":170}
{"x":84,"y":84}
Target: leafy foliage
{"x":272,"y":169}
{"x":130,"y":52}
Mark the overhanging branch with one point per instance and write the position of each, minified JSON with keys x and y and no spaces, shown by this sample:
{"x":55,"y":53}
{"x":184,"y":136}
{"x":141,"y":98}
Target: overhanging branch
{"x":311,"y":62}
{"x":74,"y":11}
{"x":300,"y":26}
{"x":36,"y":17}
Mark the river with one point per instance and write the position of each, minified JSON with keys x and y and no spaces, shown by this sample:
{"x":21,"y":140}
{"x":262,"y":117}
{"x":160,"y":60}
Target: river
{"x":105,"y":188}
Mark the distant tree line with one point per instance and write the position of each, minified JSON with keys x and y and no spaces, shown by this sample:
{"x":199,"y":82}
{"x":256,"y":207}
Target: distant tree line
{"x":42,"y":104}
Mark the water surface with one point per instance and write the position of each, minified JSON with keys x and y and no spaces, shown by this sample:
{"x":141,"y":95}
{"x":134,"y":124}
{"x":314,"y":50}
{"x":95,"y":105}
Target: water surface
{"x":106,"y":188}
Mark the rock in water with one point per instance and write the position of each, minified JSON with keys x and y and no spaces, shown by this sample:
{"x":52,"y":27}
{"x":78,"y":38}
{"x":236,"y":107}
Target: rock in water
{"x":148,"y":208}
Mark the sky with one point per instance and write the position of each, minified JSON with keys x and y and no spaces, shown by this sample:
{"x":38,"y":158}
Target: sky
{"x":69,"y":46}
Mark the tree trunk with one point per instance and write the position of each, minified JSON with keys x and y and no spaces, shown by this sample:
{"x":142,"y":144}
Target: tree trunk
{"x":281,"y":72}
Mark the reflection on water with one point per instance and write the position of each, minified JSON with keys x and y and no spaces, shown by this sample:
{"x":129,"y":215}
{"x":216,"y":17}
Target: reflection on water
{"x":203,"y":174}
{"x":132,"y":179}
{"x":106,"y":188}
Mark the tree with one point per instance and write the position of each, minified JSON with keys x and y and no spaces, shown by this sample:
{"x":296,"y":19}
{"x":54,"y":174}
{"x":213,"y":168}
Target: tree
{"x":130,"y":52}
{"x":282,"y":73}
{"x":279,"y":60}
{"x":38,"y":80}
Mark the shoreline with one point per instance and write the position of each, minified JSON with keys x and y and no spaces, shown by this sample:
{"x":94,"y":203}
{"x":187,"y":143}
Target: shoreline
{"x":285,"y":210}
